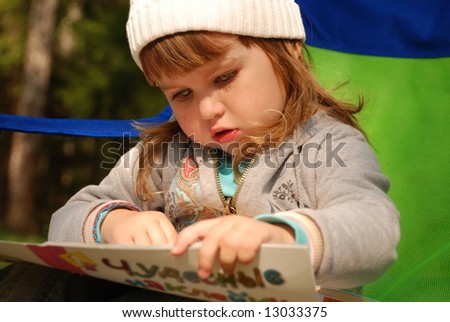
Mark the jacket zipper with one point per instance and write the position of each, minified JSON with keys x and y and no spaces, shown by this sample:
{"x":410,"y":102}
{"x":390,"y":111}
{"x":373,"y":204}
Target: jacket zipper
{"x":229,"y":203}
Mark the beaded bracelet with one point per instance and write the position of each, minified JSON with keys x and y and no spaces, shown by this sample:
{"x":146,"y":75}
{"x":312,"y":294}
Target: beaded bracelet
{"x":104,"y":211}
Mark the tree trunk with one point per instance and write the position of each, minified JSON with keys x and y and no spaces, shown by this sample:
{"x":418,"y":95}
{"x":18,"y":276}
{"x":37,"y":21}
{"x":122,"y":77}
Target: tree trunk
{"x":25,"y":147}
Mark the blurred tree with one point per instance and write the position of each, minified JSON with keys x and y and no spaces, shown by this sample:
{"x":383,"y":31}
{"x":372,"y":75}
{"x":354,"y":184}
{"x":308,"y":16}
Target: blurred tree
{"x":33,"y":99}
{"x":13,"y":14}
{"x":92,"y":76}
{"x":12,"y":35}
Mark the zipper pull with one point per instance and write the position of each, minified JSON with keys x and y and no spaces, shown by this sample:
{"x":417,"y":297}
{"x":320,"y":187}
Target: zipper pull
{"x":230,"y":210}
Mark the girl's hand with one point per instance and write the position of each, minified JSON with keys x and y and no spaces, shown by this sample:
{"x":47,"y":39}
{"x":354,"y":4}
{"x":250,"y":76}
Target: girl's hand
{"x":232,"y":239}
{"x":123,"y":226}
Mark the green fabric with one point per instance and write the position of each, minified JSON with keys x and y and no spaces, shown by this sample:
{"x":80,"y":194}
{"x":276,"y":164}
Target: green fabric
{"x":407,"y":119}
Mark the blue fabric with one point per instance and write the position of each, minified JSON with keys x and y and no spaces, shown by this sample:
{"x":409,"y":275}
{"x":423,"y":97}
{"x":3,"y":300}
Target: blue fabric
{"x":79,"y":127}
{"x":393,"y":28}
{"x":227,"y":180}
{"x":226,"y":175}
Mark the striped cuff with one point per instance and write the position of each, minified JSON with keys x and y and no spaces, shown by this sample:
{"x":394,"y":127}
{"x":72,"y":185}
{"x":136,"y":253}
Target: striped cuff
{"x":300,"y":234}
{"x":88,"y":225}
{"x":93,"y":222}
{"x":308,"y":227}
{"x":104,"y":211}
{"x":314,"y":236}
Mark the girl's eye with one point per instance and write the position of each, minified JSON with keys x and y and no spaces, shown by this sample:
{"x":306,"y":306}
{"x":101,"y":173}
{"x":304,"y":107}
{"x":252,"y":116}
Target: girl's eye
{"x":225,"y":78}
{"x":182,"y":95}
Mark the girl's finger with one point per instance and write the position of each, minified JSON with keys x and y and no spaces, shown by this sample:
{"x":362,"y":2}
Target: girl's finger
{"x":141,"y":238}
{"x":192,"y":234}
{"x":169,"y":232}
{"x":216,"y":244}
{"x":247,"y":254}
{"x":208,"y":254}
{"x":228,"y":258}
{"x":157,"y":235}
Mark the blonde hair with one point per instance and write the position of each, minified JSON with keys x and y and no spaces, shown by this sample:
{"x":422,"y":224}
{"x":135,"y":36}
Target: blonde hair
{"x":181,"y":53}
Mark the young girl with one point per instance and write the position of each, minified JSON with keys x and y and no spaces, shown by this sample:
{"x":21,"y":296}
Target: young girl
{"x":258,"y":152}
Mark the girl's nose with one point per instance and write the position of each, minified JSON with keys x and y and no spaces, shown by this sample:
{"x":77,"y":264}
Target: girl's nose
{"x":211,"y":107}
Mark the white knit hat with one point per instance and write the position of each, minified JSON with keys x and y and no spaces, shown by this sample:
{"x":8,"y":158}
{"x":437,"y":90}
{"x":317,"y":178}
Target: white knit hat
{"x":151,"y":19}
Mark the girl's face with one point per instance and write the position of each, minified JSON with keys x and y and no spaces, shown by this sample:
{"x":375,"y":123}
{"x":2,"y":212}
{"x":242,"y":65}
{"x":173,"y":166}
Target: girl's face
{"x":228,"y":97}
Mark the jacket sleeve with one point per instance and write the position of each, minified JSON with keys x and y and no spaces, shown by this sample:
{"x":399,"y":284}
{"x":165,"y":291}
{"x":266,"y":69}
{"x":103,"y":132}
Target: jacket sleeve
{"x":67,"y":223}
{"x":348,"y":202}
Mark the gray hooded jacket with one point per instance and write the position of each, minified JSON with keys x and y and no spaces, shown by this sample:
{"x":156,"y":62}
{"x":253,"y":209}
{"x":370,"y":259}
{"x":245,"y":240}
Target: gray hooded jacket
{"x":326,"y":171}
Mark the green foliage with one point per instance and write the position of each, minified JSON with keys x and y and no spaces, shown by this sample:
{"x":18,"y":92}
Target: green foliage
{"x":6,"y":235}
{"x":12,"y":34}
{"x":12,"y":42}
{"x":99,"y":78}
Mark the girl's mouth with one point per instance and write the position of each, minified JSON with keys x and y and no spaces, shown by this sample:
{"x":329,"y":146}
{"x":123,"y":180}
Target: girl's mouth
{"x":226,"y":135}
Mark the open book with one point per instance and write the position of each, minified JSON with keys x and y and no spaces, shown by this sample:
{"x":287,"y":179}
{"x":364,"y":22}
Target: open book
{"x":278,"y":273}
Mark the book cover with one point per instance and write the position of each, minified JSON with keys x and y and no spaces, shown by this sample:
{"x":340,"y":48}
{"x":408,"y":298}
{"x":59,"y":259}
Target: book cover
{"x":278,"y":273}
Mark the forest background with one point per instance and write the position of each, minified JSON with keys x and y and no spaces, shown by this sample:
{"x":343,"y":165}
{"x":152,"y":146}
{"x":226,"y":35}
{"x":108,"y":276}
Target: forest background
{"x":62,"y":59}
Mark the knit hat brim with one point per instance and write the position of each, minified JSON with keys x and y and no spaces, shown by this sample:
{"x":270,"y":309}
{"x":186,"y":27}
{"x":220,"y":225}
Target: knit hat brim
{"x":152,"y":19}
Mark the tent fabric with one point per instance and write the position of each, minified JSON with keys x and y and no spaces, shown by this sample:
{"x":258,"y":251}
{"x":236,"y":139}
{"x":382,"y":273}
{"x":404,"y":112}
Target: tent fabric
{"x":392,"y":28}
{"x":396,"y":54}
{"x":79,"y":127}
{"x":406,"y":119}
